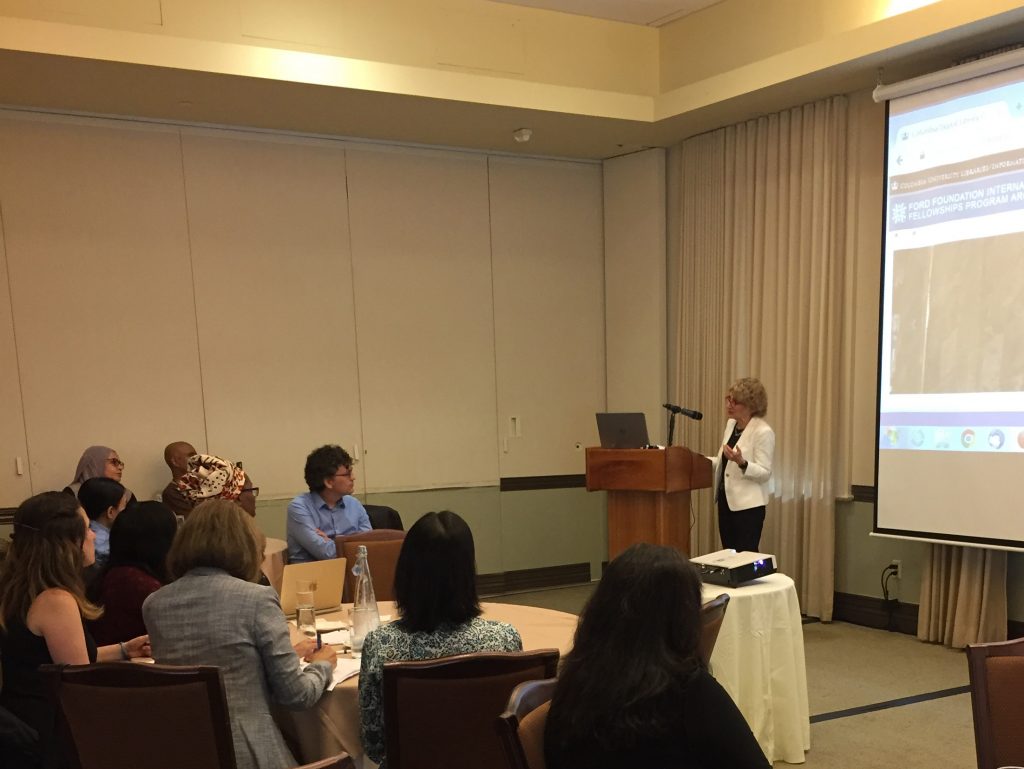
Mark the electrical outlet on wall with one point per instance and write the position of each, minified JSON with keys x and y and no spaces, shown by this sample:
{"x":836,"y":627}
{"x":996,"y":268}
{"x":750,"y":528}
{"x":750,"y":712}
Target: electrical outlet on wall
{"x":896,"y":566}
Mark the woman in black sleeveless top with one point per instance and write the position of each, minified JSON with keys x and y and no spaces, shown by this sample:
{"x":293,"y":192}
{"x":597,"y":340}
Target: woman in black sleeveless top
{"x":43,"y":605}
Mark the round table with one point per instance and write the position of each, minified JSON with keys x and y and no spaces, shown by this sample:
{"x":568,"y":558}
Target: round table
{"x":333,"y":725}
{"x":759,"y":660}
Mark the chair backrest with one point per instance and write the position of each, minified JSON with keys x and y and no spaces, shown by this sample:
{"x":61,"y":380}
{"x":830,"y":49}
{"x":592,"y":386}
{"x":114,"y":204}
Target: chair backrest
{"x":382,"y":549}
{"x":997,"y":680}
{"x":521,"y":726}
{"x":384,"y":517}
{"x":711,"y":616}
{"x":442,"y":712}
{"x":167,"y":717}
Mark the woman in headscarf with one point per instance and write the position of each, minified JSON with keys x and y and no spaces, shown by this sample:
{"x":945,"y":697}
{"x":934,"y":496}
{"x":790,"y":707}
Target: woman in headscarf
{"x":96,"y":462}
{"x":210,"y":477}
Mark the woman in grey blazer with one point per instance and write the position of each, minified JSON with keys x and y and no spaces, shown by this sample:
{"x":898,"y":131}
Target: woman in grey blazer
{"x":743,"y":466}
{"x":214,"y":613}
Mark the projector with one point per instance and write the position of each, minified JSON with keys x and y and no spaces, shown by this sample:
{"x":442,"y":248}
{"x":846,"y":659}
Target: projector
{"x":732,"y":569}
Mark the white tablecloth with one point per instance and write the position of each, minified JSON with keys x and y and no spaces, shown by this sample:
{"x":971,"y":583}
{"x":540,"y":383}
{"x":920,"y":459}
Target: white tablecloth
{"x":759,"y":660}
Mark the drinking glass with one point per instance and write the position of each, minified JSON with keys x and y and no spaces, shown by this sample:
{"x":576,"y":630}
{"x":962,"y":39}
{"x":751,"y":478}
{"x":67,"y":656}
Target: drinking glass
{"x":305,"y":613}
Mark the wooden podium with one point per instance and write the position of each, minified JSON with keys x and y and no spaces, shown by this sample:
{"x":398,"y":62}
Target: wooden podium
{"x":648,"y":493}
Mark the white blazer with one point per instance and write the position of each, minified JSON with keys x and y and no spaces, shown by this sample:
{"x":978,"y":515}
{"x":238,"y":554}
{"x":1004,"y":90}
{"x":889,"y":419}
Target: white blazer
{"x":744,"y":490}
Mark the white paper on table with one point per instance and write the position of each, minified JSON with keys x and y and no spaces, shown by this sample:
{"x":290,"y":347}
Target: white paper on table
{"x":335,"y":637}
{"x":346,"y":669}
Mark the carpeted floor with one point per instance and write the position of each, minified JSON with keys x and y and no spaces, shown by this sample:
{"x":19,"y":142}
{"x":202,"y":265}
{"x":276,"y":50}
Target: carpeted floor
{"x":877,"y":699}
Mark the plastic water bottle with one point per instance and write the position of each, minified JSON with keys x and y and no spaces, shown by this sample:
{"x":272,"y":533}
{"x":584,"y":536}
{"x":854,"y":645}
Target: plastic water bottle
{"x":364,"y":607}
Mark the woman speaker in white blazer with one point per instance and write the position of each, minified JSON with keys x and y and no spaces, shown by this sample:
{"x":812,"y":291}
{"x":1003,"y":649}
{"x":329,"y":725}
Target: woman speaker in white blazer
{"x":743,"y":466}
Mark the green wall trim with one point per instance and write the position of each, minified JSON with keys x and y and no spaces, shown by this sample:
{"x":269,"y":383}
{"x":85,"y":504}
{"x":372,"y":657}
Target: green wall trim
{"x":532,"y":579}
{"x":864,"y":493}
{"x":535,"y":482}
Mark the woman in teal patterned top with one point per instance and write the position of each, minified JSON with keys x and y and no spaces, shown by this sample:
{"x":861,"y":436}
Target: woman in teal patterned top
{"x":435,"y":591}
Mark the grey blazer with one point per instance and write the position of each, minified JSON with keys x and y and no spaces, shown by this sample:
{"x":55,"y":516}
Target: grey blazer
{"x":209,"y":617}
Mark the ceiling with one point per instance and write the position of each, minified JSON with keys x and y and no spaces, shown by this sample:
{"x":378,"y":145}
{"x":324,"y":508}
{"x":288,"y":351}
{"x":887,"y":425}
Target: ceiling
{"x":651,"y":13}
{"x":38,"y":81}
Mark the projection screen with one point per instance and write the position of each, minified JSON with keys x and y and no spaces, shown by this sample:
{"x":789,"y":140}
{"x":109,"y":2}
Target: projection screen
{"x":950,"y":450}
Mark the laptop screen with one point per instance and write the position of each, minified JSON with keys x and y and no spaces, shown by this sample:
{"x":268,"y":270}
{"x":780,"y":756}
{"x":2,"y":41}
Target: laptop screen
{"x":627,"y":430}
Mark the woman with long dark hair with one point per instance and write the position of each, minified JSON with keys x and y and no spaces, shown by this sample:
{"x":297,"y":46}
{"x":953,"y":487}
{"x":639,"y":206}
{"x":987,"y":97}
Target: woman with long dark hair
{"x":435,"y":593}
{"x":43,"y":605}
{"x":633,"y":690}
{"x":139,"y":541}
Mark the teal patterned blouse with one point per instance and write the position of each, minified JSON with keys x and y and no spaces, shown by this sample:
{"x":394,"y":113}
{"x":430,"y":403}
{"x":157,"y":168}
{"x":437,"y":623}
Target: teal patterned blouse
{"x":390,"y":643}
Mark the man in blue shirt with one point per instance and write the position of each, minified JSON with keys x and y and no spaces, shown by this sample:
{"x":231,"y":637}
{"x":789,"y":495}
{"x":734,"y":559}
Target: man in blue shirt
{"x":328,"y":510}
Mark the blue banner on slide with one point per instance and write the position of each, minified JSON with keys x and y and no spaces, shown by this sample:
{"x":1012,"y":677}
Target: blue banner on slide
{"x":965,"y":200}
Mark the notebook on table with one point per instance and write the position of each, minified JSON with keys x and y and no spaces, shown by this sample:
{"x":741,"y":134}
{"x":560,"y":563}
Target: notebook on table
{"x":329,"y":577}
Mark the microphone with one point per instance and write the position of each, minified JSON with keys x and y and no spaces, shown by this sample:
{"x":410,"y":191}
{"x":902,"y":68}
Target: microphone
{"x":685,"y":412}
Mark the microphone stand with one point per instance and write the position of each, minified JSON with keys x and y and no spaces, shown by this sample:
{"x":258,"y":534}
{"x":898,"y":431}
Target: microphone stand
{"x":671,"y":426}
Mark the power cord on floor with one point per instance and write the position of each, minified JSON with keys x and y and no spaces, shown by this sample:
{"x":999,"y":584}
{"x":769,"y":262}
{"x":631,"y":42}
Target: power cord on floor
{"x":891,"y":604}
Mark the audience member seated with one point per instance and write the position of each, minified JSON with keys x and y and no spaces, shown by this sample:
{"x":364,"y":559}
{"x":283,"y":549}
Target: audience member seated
{"x":633,"y":691}
{"x":139,"y":541}
{"x":96,"y":462}
{"x":328,"y":510}
{"x":214,"y":614}
{"x":210,"y":477}
{"x":176,"y":455}
{"x":435,"y":594}
{"x":43,"y":605}
{"x":103,"y":500}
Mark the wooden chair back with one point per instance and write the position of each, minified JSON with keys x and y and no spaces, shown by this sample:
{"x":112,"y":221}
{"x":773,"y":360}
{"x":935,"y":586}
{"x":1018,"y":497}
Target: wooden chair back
{"x":167,"y":717}
{"x":521,"y":726}
{"x":382,"y":549}
{"x":997,"y":680}
{"x":442,"y":712}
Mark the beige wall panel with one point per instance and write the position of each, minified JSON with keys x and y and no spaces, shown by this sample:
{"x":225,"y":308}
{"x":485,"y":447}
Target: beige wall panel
{"x":97,"y":252}
{"x":548,"y":254}
{"x":15,"y":478}
{"x":635,"y":293}
{"x":425,"y":329}
{"x":269,"y":232}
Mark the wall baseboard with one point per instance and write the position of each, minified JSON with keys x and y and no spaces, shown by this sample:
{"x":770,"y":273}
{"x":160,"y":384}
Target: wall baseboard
{"x":532,"y":579}
{"x":535,"y":482}
{"x":872,"y":612}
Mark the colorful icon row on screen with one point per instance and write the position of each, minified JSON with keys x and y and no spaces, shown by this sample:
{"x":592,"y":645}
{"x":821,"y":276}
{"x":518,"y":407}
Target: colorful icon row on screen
{"x":952,"y":438}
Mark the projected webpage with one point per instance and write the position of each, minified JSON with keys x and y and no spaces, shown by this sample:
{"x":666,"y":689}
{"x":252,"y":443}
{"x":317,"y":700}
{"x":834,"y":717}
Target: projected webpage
{"x":952,"y":358}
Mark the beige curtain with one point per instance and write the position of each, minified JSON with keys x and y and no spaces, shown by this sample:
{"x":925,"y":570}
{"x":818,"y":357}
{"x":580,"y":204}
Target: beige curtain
{"x":760,"y":246}
{"x":963,"y":596}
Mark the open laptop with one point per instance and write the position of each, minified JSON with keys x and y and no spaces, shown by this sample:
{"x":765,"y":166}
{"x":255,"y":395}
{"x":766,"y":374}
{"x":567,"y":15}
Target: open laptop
{"x":329,"y":577}
{"x":622,"y":430}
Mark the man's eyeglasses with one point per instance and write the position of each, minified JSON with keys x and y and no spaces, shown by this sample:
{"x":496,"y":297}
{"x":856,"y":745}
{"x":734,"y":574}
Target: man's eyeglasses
{"x":116,"y":463}
{"x":343,"y":474}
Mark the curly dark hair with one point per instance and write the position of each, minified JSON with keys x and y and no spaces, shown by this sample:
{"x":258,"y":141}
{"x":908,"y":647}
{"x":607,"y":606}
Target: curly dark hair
{"x":324,"y":462}
{"x":634,"y":653}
